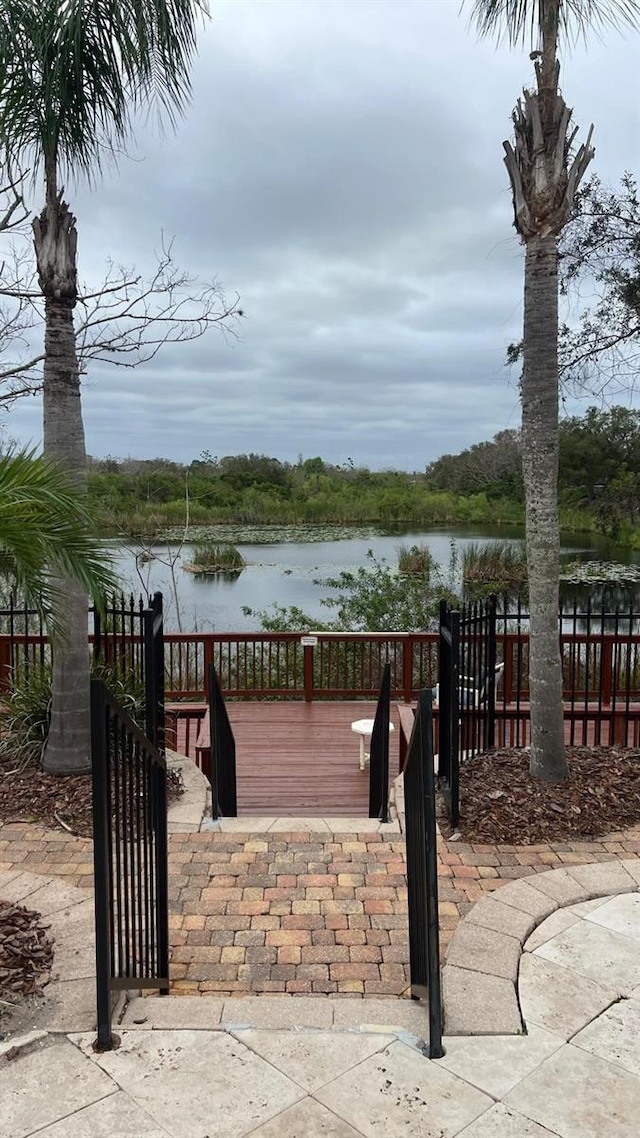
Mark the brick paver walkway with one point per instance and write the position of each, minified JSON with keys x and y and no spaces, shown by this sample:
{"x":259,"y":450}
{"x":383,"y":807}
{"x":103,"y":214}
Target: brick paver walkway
{"x":303,"y":913}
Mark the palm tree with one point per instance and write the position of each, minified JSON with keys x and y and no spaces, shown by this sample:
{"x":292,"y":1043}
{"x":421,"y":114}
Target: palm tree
{"x":46,"y":531}
{"x":72,"y":75}
{"x":545,"y":173}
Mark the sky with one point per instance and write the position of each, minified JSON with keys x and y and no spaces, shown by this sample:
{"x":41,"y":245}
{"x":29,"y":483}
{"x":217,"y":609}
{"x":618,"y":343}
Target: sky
{"x":340,"y":168}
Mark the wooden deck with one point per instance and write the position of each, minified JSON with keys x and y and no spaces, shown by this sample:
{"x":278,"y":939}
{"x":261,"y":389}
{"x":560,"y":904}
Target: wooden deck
{"x":298,"y":758}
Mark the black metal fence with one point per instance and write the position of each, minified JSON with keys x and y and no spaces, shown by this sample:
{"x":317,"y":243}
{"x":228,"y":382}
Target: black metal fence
{"x":221,"y":767}
{"x":127,"y":645}
{"x":379,"y":752}
{"x":466,"y":691}
{"x":118,"y":633}
{"x":23,"y":644}
{"x":153,"y":670}
{"x":600,"y":651}
{"x":467,"y":678}
{"x":422,"y":870}
{"x":130,"y":857}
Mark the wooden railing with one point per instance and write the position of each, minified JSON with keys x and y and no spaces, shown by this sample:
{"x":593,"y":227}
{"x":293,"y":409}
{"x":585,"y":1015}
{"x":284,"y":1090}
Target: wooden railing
{"x":289,"y":665}
{"x":286,"y":665}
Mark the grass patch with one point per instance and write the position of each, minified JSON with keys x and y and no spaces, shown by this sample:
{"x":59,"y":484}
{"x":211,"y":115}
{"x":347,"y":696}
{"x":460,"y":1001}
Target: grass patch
{"x":211,"y":558}
{"x":494,"y":567}
{"x":415,"y":560}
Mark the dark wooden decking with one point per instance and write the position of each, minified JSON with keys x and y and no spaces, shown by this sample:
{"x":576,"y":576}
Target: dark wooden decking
{"x":299,"y":758}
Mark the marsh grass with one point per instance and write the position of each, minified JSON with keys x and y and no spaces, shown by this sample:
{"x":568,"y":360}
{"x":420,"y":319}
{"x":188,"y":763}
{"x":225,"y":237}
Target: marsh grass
{"x":213,"y":558}
{"x":494,"y":567}
{"x":415,"y":560}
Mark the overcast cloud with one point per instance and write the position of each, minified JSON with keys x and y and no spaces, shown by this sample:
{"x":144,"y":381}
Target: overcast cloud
{"x":341,"y":169}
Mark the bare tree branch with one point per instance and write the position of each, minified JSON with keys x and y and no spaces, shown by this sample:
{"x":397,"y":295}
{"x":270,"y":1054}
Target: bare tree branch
{"x":15,"y":211}
{"x":125,"y":322}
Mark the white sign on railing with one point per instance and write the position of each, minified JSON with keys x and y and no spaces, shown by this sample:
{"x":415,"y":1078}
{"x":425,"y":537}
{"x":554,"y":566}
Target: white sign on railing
{"x":309,"y":641}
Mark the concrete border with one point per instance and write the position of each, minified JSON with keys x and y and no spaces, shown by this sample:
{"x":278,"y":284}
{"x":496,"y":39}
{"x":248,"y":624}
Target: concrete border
{"x":276,"y":1013}
{"x":250,"y":824}
{"x":187,"y":813}
{"x":480,"y":977}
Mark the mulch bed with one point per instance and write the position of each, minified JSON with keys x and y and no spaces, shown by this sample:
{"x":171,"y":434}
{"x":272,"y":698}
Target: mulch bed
{"x":26,"y":954}
{"x":501,"y":803}
{"x":57,"y":802}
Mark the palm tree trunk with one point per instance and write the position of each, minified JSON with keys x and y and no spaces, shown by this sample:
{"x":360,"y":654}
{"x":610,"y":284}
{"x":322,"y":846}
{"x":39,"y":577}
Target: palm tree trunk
{"x":68,"y":746}
{"x":540,"y":448}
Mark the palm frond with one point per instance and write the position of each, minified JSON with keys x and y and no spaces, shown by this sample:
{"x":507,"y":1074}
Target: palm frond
{"x":73,"y":72}
{"x":519,"y":21}
{"x":47,"y":533}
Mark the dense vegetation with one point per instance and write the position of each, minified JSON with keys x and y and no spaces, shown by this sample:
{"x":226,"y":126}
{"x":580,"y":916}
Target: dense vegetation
{"x":145,"y":498}
{"x":599,"y":486}
{"x":599,"y":475}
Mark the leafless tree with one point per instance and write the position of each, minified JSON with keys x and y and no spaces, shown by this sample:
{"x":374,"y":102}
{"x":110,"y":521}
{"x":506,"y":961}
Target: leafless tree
{"x":125,"y":321}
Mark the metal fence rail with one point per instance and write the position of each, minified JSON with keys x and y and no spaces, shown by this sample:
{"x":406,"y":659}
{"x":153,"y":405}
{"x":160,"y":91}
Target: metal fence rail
{"x":221,"y":766}
{"x":422,"y":871}
{"x":130,"y":857}
{"x":379,"y":752}
{"x":152,"y":661}
{"x":466,"y":692}
{"x":600,"y":649}
{"x":449,"y":710}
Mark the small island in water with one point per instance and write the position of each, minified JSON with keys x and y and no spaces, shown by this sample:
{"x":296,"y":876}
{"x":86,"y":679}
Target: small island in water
{"x":213,"y":559}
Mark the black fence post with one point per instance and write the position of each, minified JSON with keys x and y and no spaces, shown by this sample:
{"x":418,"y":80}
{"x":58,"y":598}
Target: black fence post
{"x":491,"y":671}
{"x":159,"y":775}
{"x":97,"y":632}
{"x":422,"y":870}
{"x":102,"y":870}
{"x":152,"y":619}
{"x":449,"y":709}
{"x":379,"y":752}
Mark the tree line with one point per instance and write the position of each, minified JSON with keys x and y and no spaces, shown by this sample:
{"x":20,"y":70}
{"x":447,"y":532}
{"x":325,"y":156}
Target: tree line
{"x":145,"y":498}
{"x":598,"y":484}
{"x":598,"y":470}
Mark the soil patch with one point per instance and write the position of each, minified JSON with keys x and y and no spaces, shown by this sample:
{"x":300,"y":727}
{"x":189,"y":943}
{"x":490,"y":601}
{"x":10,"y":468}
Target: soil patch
{"x":26,"y":954}
{"x":501,"y":803}
{"x":57,"y":802}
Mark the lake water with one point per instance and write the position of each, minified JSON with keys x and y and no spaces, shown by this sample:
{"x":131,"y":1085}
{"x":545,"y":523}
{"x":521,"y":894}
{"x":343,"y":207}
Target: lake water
{"x":284,"y":573}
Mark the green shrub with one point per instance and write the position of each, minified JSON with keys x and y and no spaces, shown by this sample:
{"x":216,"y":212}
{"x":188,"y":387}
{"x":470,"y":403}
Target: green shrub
{"x":25,"y":722}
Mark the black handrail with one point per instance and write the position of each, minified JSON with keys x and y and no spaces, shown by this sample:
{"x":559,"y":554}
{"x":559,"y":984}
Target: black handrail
{"x":222,"y":763}
{"x":379,"y":752}
{"x":422,"y":870}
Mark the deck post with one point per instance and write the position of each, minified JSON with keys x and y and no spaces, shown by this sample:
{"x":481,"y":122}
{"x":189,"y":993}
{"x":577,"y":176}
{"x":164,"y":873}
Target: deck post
{"x":606,"y":669}
{"x":307,"y":667}
{"x":207,"y":661}
{"x":407,"y":668}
